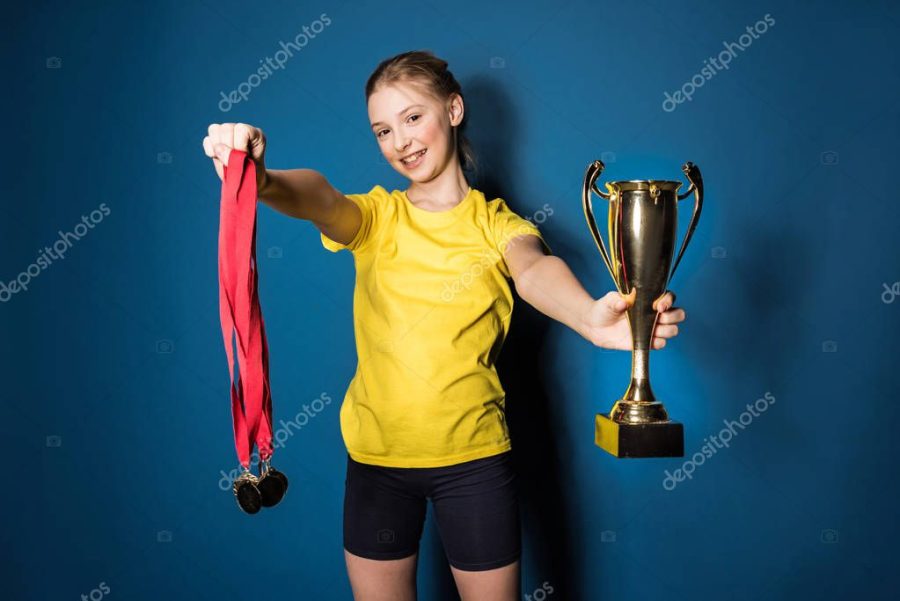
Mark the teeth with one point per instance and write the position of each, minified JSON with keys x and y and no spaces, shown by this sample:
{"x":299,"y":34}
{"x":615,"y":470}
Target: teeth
{"x":413,"y":157}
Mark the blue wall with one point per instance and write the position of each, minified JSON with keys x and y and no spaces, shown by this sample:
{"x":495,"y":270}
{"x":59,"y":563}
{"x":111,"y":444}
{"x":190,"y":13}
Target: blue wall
{"x":115,"y":378}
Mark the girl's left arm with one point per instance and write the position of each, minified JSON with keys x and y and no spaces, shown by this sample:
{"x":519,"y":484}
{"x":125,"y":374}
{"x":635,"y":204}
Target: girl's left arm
{"x":546,"y":283}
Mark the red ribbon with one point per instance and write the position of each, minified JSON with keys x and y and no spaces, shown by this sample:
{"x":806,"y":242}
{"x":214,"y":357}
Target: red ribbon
{"x":251,"y":400}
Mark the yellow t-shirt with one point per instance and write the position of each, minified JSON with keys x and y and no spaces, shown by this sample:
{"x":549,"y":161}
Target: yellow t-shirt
{"x":431,"y":308}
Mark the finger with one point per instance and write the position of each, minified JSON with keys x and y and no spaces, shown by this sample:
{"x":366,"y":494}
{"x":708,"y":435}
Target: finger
{"x":673,"y":315}
{"x":242,"y":136}
{"x":659,"y":343}
{"x":665,"y":302}
{"x":666,"y":331}
{"x":211,"y":152}
{"x":222,"y":153}
{"x":614,"y":303}
{"x":257,"y":144}
{"x":627,"y":298}
{"x":208,"y":147}
{"x":226,"y":134}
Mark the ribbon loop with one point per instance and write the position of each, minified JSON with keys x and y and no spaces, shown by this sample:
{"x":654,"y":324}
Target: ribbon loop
{"x":240,"y":313}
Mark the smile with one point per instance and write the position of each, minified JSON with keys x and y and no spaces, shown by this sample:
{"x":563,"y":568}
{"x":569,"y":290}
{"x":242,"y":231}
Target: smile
{"x":413,"y":160}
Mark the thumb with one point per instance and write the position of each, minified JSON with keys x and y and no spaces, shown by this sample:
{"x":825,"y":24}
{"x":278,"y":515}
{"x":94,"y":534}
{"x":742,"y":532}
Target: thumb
{"x":615,"y":304}
{"x":222,"y":152}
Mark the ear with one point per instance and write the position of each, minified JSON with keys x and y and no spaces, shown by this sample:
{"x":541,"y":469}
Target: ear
{"x":457,"y":110}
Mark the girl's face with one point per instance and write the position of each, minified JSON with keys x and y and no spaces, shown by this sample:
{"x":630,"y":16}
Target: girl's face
{"x":410,"y":124}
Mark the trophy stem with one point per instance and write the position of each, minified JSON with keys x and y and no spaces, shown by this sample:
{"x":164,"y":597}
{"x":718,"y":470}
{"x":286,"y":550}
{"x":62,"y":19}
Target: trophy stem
{"x":639,"y":405}
{"x":639,"y":390}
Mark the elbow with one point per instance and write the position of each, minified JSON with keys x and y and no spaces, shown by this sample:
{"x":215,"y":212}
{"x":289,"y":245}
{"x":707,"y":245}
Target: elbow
{"x":523,"y":282}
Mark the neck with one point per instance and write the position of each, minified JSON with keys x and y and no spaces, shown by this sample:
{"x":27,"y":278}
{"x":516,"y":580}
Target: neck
{"x":442,"y":192}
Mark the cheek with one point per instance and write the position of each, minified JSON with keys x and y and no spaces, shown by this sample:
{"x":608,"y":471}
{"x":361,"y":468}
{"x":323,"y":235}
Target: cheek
{"x":432,"y":133}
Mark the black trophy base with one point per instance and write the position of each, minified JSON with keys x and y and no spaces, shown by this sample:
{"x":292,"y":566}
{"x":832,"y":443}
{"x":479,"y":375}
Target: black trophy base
{"x":660,"y":439}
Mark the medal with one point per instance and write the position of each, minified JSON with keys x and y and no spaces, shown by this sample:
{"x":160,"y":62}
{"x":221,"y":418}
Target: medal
{"x":247,"y":493}
{"x":240,"y":315}
{"x":272,"y":484}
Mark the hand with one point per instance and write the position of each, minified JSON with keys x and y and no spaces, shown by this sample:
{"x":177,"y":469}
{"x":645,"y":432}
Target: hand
{"x":606,"y":324}
{"x":225,"y":137}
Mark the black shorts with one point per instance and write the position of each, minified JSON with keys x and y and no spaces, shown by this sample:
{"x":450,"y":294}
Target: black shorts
{"x":475,"y":506}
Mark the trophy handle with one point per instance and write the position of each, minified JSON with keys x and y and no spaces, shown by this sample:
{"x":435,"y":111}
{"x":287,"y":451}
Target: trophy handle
{"x":590,"y":177}
{"x":693,"y":174}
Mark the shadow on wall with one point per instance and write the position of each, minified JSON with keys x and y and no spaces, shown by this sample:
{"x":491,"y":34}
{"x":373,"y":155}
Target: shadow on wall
{"x":494,"y":133}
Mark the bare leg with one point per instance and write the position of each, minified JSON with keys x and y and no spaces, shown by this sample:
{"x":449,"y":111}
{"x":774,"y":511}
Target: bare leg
{"x":500,"y":584}
{"x":377,"y":580}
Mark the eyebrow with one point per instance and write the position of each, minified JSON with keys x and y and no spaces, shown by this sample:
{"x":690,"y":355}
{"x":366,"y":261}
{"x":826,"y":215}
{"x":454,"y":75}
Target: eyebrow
{"x":412,"y":106}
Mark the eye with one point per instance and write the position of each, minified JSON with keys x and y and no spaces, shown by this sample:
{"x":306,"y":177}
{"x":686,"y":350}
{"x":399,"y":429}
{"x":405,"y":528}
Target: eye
{"x":378,"y":135}
{"x":411,"y":116}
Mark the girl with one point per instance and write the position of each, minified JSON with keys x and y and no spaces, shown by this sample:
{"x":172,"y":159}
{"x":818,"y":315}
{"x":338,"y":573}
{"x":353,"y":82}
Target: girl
{"x":423,"y":417}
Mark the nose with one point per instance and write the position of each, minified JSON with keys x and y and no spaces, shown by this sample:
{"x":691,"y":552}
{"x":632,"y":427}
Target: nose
{"x":401,"y":142}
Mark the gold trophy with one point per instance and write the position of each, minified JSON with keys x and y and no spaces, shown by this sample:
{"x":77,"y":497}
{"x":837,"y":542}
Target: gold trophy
{"x":643,"y":218}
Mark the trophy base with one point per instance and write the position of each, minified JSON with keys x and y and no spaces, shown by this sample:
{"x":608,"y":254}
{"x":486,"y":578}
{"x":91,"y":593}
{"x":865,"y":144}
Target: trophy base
{"x":654,"y":439}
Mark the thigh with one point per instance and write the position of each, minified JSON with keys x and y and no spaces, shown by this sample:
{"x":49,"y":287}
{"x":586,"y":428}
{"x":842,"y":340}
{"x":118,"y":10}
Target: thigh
{"x":382,"y":579}
{"x":477,"y":512}
{"x":499,"y":584}
{"x":384,"y":512}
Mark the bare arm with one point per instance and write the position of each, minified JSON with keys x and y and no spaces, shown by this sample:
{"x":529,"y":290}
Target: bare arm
{"x":300,"y":193}
{"x":307,"y":194}
{"x":546,"y":283}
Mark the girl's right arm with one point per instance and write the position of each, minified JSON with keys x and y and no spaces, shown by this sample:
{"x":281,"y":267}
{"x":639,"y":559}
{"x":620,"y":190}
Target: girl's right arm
{"x":307,"y":194}
{"x":300,"y":193}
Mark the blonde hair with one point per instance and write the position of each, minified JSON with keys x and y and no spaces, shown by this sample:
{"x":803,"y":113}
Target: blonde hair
{"x":426,"y":69}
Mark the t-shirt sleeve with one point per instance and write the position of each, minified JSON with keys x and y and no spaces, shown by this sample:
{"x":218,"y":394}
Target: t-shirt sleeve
{"x":368,"y":204}
{"x":508,"y":225}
